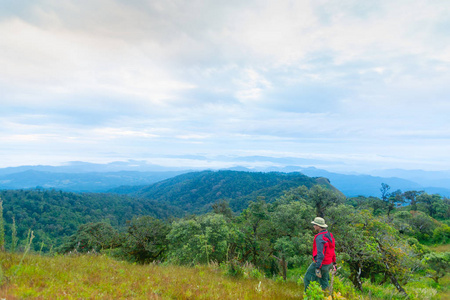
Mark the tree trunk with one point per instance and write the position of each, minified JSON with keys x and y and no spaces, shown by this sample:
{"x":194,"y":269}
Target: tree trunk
{"x":391,"y":275}
{"x":283,"y":265}
{"x":396,"y":284}
{"x":356,"y":277}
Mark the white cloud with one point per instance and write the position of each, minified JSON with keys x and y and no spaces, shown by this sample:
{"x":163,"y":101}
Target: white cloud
{"x":141,"y":78}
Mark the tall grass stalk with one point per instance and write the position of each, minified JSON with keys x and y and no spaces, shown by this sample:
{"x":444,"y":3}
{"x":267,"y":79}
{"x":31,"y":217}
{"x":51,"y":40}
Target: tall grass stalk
{"x":14,"y":238}
{"x":42,"y":246}
{"x":2,"y":228}
{"x":29,"y":241}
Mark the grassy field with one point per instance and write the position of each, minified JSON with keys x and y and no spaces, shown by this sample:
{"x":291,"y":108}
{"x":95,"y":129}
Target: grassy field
{"x":440,"y":248}
{"x":101,"y":277}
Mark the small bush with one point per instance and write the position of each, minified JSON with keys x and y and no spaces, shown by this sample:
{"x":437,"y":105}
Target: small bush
{"x":314,"y":291}
{"x":441,"y":235}
{"x":232,"y":268}
{"x":255,"y":273}
{"x":343,"y":287}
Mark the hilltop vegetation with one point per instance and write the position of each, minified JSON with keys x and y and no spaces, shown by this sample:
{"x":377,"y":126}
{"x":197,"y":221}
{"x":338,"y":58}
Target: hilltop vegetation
{"x":380,"y":242}
{"x":80,"y":182}
{"x":55,"y":215}
{"x":195,"y":192}
{"x":88,"y":177}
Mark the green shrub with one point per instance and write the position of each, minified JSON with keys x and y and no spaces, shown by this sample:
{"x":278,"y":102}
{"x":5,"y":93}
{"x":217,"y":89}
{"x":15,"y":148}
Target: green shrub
{"x":232,"y":268}
{"x":314,"y":291}
{"x":385,"y":291}
{"x":441,"y":235}
{"x":343,"y":287}
{"x":255,"y":273}
{"x":420,"y":290}
{"x":438,"y":263}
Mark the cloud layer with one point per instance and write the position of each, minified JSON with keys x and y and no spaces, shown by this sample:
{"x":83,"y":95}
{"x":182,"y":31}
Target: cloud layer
{"x":354,"y":84}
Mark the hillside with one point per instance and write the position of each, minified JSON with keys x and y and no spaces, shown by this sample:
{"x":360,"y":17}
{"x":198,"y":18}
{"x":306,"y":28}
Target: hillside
{"x":352,"y":185}
{"x":101,"y":277}
{"x":88,"y":177}
{"x":53,"y":215}
{"x":80,"y":182}
{"x":194,"y":192}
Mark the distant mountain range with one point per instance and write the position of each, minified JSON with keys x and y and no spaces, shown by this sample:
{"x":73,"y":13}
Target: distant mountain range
{"x":195,"y":191}
{"x":368,"y":185}
{"x":133,"y":175}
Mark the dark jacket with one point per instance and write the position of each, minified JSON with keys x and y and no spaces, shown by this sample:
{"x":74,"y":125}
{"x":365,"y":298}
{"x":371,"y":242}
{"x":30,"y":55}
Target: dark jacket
{"x":323,"y":249}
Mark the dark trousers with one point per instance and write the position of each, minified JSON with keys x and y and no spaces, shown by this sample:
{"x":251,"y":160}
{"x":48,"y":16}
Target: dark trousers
{"x":311,"y":275}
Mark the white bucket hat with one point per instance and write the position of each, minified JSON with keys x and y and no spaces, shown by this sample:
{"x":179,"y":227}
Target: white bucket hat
{"x":319,"y":222}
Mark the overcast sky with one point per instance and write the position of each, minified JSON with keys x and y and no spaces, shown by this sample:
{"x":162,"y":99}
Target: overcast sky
{"x":344,"y":85}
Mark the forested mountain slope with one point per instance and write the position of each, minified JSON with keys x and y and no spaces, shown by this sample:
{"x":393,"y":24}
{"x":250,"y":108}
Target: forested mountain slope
{"x":53,"y":215}
{"x":96,"y":182}
{"x":194,"y":192}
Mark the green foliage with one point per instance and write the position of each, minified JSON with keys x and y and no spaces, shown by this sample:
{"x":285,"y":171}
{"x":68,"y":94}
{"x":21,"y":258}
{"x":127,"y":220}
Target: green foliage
{"x":439,"y":264}
{"x":314,"y":292}
{"x":146,"y":239}
{"x":223,"y":207}
{"x":441,"y":235}
{"x":200,"y":240}
{"x":233,"y":268}
{"x":195,"y":192}
{"x":254,"y":225}
{"x":344,"y":288}
{"x":54,"y":215}
{"x":321,"y":198}
{"x":92,"y":237}
{"x":373,"y":204}
{"x":419,"y":225}
{"x":433,"y":205}
{"x":271,"y":236}
{"x":411,"y":196}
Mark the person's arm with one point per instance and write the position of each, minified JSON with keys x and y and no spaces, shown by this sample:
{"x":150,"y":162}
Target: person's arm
{"x":320,"y":245}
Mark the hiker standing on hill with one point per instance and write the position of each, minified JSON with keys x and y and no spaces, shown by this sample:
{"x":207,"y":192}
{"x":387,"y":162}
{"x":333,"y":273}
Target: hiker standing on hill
{"x":324,"y":257}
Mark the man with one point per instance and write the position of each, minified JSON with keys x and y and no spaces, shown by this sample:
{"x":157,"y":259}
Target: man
{"x":324,"y":257}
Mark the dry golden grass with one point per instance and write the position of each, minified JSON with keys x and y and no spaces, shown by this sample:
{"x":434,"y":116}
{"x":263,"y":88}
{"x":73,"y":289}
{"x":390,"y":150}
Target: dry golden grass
{"x":101,"y":277}
{"x":441,"y":248}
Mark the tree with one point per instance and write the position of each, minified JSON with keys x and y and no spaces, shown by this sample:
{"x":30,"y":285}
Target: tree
{"x":291,"y":229}
{"x":441,"y":234}
{"x":223,"y":207}
{"x":200,"y":239}
{"x":367,"y":203}
{"x":146,"y":239}
{"x":93,"y":237}
{"x":253,"y":224}
{"x":412,"y":197}
{"x":385,"y":191}
{"x":395,"y":199}
{"x":352,"y":242}
{"x":394,"y":253}
{"x":439,"y":264}
{"x":321,"y":198}
{"x":422,"y":225}
{"x":391,"y":200}
{"x":429,"y":203}
{"x":370,"y":246}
